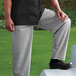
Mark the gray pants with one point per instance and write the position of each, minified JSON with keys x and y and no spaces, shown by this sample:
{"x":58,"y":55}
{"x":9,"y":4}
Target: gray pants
{"x":22,"y":41}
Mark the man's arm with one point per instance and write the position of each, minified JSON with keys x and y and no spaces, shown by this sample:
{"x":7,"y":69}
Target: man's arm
{"x":9,"y":23}
{"x":60,"y":13}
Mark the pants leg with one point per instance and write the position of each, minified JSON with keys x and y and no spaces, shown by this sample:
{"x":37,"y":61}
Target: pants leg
{"x":21,"y":50}
{"x":61,"y":30}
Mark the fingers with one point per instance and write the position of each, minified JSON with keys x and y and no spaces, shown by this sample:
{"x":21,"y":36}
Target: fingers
{"x":60,"y":18}
{"x":65,"y":17}
{"x":10,"y":27}
{"x":7,"y":27}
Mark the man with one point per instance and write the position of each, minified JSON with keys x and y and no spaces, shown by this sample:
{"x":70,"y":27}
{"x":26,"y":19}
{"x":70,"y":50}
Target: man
{"x":21,"y":16}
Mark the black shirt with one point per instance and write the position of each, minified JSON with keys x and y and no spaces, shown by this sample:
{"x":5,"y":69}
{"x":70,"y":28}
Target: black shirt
{"x":26,"y":12}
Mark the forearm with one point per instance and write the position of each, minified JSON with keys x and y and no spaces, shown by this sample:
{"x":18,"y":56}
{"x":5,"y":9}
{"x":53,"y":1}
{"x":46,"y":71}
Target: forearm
{"x":7,"y":7}
{"x":55,"y":4}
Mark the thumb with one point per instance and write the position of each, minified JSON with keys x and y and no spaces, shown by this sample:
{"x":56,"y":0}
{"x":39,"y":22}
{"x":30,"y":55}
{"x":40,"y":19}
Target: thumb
{"x":12,"y":27}
{"x":60,"y":18}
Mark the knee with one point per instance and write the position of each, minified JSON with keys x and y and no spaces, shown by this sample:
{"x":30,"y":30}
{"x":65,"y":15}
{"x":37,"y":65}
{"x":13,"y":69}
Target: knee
{"x":68,"y":23}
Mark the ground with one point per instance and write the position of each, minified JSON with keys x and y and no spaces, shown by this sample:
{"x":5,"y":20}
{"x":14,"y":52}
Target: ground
{"x":41,"y":51}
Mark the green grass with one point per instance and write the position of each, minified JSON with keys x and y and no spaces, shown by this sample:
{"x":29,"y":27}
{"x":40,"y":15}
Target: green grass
{"x":41,"y":51}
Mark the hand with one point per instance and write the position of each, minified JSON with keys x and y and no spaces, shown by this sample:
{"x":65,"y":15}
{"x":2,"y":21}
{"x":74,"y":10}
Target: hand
{"x":62,"y":15}
{"x":9,"y":25}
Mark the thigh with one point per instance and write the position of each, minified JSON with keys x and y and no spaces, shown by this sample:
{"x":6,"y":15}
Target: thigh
{"x":50,"y":21}
{"x":22,"y":36}
{"x":22,"y":31}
